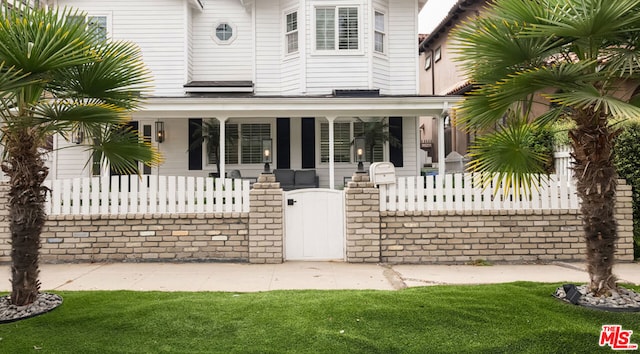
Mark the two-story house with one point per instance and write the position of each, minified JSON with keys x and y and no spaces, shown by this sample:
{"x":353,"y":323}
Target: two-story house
{"x":441,"y":75}
{"x":304,"y":73}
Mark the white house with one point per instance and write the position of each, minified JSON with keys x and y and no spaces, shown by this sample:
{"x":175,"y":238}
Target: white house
{"x":298,"y":72}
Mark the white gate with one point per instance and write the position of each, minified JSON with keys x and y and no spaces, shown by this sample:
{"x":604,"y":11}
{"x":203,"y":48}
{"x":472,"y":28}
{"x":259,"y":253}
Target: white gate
{"x":314,"y":224}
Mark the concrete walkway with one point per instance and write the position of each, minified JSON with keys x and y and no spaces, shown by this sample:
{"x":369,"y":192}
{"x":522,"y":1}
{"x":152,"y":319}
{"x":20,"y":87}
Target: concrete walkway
{"x":235,"y":277}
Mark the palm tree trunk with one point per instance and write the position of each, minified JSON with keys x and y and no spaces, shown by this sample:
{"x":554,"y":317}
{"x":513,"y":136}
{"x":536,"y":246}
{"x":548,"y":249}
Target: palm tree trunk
{"x":596,"y":180}
{"x":26,"y":171}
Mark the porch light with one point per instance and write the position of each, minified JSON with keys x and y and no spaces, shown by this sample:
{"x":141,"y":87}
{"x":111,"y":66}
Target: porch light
{"x":359,"y":144}
{"x":77,"y":136}
{"x":160,"y":135}
{"x":267,"y":157}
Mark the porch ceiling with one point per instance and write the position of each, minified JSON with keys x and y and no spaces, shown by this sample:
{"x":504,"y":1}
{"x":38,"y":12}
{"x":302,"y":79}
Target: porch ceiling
{"x":252,"y":107}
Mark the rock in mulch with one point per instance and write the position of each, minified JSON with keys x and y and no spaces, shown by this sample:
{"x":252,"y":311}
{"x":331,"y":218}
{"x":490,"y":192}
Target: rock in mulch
{"x":43,"y":304}
{"x":622,"y":300}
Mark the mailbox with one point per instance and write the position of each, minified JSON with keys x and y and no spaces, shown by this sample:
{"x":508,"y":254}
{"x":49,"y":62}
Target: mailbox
{"x":382,"y":173}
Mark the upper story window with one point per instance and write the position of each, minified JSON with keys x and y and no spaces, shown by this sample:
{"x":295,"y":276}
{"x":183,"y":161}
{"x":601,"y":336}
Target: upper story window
{"x":337,"y":28}
{"x":291,"y":33}
{"x":97,"y":23}
{"x":379,"y":32}
{"x":224,"y":32}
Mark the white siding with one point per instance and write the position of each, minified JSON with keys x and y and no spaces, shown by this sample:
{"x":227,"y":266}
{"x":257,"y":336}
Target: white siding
{"x":189,"y":45}
{"x":380,"y":70}
{"x":216,"y":61}
{"x":157,"y":26}
{"x":268,"y":48}
{"x":403,"y":46}
{"x":291,"y":64}
{"x":325,"y":72}
{"x":72,"y":160}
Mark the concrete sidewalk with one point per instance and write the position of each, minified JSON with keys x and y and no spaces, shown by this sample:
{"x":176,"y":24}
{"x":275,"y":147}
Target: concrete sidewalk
{"x":237,"y":277}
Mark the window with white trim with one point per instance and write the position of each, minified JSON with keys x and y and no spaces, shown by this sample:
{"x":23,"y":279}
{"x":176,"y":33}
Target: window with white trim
{"x":251,"y":136}
{"x":379,"y":32}
{"x":291,"y":32}
{"x":337,"y":28}
{"x":341,"y":142}
{"x":97,"y":23}
{"x":343,"y":135}
{"x":224,"y":32}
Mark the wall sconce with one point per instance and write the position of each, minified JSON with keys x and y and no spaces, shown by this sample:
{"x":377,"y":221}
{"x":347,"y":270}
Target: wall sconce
{"x":160,"y":135}
{"x":360,"y":146}
{"x":267,"y":157}
{"x":77,"y":136}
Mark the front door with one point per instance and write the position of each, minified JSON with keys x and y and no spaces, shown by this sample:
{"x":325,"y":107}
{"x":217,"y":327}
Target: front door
{"x":314,"y":224}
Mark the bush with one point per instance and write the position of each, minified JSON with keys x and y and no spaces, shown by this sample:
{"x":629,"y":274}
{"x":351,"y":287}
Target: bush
{"x":627,"y":163}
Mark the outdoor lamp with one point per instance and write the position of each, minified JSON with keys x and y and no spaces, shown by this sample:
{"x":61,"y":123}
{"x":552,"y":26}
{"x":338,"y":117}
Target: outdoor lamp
{"x":359,"y":144}
{"x":77,"y":136}
{"x":160,"y":131}
{"x":267,"y":158}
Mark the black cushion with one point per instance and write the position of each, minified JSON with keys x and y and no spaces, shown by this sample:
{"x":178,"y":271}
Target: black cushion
{"x":284,"y":176}
{"x":305,"y":178}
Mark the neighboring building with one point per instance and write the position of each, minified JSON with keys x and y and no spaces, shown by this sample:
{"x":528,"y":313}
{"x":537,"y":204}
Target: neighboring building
{"x":440,"y":75}
{"x":299,"y":72}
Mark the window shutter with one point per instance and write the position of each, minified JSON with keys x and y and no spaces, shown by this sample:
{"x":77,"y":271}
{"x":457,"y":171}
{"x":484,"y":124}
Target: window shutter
{"x":308,"y":143}
{"x":195,"y":144}
{"x":395,"y":152}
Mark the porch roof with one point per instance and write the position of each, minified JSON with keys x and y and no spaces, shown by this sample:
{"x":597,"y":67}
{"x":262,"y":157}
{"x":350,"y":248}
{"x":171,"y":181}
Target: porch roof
{"x":308,"y":106}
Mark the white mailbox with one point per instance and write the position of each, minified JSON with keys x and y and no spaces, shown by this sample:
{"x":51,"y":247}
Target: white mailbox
{"x":382,"y":173}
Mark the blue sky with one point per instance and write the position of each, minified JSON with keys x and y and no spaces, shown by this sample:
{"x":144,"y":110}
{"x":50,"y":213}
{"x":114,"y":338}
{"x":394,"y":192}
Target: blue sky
{"x":432,"y":13}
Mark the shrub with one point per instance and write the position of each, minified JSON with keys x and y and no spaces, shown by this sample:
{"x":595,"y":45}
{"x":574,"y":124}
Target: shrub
{"x":627,"y":163}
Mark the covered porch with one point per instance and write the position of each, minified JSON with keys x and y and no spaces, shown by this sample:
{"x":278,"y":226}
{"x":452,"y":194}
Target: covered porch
{"x":307,"y":132}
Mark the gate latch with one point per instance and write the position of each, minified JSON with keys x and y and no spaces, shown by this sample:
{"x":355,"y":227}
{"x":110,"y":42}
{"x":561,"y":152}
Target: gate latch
{"x":291,"y":201}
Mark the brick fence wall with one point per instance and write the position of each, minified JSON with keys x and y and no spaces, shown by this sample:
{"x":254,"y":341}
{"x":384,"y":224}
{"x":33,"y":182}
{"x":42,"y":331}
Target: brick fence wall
{"x":245,"y":237}
{"x":371,"y":235}
{"x":492,"y":235}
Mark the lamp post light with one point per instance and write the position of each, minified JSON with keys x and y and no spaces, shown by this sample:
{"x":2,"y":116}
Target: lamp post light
{"x":77,"y":136}
{"x":359,"y":144}
{"x":267,"y":157}
{"x":160,"y":134}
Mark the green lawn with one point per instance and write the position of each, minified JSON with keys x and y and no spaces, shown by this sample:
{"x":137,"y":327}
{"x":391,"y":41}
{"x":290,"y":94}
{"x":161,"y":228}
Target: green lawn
{"x":508,"y":318}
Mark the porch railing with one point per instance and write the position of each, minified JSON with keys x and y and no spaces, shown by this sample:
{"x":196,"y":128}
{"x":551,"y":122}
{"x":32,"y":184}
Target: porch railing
{"x":133,"y":194}
{"x":462,"y":192}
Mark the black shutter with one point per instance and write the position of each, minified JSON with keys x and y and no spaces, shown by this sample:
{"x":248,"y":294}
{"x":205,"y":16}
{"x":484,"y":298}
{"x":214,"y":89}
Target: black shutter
{"x":395,"y":152}
{"x":283,"y":142}
{"x":195,"y":144}
{"x":308,"y":143}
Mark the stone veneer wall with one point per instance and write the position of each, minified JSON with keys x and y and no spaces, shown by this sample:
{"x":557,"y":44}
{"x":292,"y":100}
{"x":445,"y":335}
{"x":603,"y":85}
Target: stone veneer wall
{"x":497,"y":236}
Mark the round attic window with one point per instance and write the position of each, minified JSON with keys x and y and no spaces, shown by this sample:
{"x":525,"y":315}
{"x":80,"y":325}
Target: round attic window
{"x":224,"y":32}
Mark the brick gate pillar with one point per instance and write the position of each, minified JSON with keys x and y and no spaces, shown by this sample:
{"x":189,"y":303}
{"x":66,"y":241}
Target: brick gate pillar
{"x":266,"y":221}
{"x":362,"y":205}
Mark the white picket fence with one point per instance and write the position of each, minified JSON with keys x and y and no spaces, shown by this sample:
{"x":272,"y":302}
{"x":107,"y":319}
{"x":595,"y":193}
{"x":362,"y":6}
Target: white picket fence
{"x":462,"y":192}
{"x":131,"y":194}
{"x":563,"y":160}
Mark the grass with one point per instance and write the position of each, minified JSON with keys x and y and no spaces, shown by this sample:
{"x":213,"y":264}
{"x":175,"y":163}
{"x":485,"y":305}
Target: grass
{"x":519,"y":317}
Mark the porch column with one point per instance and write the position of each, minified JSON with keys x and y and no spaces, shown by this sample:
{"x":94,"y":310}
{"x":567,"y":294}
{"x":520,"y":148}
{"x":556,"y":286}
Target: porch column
{"x":223,"y":139}
{"x":332,"y":166}
{"x":441,"y":154}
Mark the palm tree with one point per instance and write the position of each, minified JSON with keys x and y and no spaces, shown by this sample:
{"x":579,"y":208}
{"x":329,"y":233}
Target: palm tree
{"x":57,"y":75}
{"x":375,"y":133}
{"x":209,"y":134}
{"x":576,"y":54}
